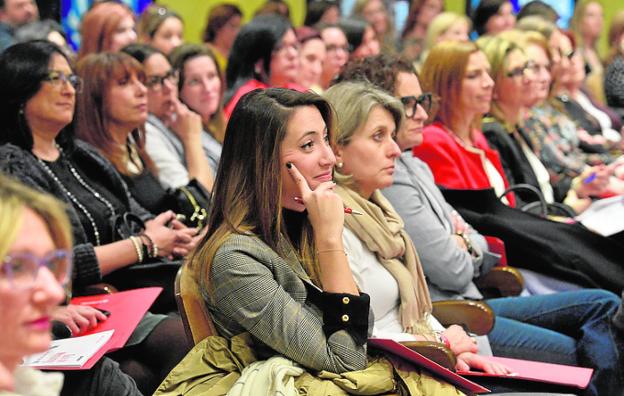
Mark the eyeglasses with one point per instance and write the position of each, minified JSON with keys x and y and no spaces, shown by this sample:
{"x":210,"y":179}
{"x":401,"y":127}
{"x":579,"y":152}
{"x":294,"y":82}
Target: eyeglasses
{"x":336,"y":48}
{"x":21,"y":269}
{"x":535,"y":68}
{"x":283,"y":47}
{"x":517,"y":71}
{"x":57,"y":78}
{"x":569,"y":54}
{"x":410,"y":103}
{"x":156,"y":82}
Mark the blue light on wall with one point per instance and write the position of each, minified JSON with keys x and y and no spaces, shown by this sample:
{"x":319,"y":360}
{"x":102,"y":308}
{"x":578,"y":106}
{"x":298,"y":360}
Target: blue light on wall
{"x":565,"y":9}
{"x":72,"y":11}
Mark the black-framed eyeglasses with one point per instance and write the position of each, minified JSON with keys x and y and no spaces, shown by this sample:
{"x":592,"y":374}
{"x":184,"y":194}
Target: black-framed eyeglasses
{"x":156,"y":82}
{"x":410,"y":103}
{"x":57,"y":78}
{"x":20,"y":270}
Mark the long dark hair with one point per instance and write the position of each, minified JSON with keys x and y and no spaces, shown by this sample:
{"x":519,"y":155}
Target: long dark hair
{"x":22,"y":69}
{"x":255,"y":41}
{"x":248,"y":186}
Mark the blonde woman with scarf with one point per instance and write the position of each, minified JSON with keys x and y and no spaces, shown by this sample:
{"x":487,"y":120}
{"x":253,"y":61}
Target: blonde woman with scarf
{"x":381,"y":255}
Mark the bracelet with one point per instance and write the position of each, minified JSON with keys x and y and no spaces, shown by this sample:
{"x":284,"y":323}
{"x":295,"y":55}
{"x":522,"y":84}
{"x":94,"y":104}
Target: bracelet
{"x":331,"y":250}
{"x":152,"y":247}
{"x":136,"y":242}
{"x":468,"y":242}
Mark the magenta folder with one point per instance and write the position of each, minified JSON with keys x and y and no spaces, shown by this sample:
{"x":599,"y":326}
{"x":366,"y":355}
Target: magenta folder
{"x":126,"y":309}
{"x":577,"y":377}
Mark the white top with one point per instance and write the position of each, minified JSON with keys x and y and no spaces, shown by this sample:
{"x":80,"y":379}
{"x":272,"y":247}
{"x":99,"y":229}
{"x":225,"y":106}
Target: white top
{"x":602,"y":117}
{"x":541,"y":173}
{"x":376,"y":281}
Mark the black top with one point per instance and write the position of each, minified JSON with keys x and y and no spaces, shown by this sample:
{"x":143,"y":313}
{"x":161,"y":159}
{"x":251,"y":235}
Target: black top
{"x":614,"y":83}
{"x":99,"y":211}
{"x":515,"y":163}
{"x":294,"y":222}
{"x":148,"y":192}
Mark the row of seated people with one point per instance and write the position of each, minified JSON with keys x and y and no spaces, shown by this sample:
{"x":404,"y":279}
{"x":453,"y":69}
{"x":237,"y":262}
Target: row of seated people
{"x":268,"y":52}
{"x":42,"y":153}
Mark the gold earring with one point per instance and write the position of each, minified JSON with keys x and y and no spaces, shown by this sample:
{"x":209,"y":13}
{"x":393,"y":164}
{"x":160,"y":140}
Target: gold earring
{"x":339,"y":165}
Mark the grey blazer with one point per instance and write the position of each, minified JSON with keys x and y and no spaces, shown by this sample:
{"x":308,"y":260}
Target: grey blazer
{"x":427,"y":216}
{"x":272,"y":298}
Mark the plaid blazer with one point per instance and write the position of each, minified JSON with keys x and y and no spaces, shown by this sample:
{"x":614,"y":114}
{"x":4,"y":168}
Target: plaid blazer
{"x":271,"y":297}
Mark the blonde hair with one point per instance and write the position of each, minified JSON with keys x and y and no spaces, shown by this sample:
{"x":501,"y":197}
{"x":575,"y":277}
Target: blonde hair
{"x":442,"y":74}
{"x":15,"y":198}
{"x":497,"y":50}
{"x":440,"y":24}
{"x":577,"y":20}
{"x":352,"y":102}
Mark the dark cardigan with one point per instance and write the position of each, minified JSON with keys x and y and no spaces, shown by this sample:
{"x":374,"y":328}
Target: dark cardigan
{"x":23,"y":165}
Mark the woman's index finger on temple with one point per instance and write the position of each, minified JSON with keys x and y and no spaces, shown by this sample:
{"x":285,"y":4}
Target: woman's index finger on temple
{"x":300,"y":181}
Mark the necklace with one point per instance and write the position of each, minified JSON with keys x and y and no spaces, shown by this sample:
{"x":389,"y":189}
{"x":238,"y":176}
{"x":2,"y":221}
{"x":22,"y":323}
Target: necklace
{"x":73,"y":198}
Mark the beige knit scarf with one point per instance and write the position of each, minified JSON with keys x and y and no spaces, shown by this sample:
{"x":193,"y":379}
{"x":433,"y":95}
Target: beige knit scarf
{"x":382,"y":231}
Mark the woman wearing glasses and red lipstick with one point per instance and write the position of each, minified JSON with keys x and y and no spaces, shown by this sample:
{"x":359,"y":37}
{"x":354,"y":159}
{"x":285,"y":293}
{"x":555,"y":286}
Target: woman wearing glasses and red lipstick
{"x":35,"y":254}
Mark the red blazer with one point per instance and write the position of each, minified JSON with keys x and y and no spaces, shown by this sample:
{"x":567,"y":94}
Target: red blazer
{"x":454,"y":166}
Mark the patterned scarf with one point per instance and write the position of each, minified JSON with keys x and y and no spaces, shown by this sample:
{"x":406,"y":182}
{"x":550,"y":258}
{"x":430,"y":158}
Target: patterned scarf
{"x":382,"y":231}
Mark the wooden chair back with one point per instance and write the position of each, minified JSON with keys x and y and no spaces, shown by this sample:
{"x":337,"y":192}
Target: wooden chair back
{"x":196,"y":318}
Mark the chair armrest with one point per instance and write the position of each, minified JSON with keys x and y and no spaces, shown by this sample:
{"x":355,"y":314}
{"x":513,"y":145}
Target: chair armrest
{"x":95,"y":289}
{"x":503,"y":281}
{"x":435,"y":351}
{"x":475,"y":316}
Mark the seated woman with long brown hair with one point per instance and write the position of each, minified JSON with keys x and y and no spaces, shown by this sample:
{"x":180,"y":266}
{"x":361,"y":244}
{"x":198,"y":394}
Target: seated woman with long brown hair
{"x":110,"y":115}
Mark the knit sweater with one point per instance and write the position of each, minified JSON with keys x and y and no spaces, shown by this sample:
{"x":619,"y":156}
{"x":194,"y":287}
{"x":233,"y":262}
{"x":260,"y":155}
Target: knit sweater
{"x":24,"y":166}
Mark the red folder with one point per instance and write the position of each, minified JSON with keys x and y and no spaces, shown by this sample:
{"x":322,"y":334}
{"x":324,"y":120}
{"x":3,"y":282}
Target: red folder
{"x":126,"y":309}
{"x":541,"y":372}
{"x":421,"y":361}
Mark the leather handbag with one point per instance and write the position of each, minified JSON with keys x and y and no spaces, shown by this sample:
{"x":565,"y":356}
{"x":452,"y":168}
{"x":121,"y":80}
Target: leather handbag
{"x":193,"y":201}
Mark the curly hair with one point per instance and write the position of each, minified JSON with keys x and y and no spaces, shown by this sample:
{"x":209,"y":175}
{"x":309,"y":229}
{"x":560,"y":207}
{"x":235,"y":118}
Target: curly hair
{"x":379,"y":70}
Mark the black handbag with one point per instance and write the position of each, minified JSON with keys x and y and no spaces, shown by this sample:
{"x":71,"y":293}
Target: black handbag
{"x":192,"y":201}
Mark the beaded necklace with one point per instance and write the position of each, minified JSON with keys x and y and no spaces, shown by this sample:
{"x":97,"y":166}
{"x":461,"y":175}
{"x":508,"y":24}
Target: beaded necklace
{"x":73,"y":198}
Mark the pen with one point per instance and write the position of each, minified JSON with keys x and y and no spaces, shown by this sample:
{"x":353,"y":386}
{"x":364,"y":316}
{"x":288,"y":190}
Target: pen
{"x":589,"y":178}
{"x":347,"y":210}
